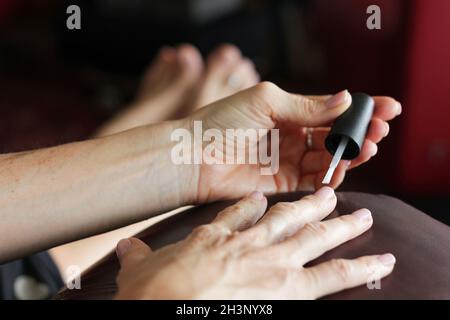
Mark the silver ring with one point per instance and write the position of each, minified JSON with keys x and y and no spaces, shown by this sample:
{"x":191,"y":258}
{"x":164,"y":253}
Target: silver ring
{"x":309,"y":138}
{"x":234,"y":81}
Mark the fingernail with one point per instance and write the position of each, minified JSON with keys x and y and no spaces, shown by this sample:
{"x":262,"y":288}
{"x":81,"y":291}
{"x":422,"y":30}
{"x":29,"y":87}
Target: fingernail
{"x":373,"y":150}
{"x":122,"y":247}
{"x":364,"y":215}
{"x":386,"y":129}
{"x":347,"y":163}
{"x":325,"y":192}
{"x":338,"y":99}
{"x":399,"y":108}
{"x":256,"y":195}
{"x":387,"y":259}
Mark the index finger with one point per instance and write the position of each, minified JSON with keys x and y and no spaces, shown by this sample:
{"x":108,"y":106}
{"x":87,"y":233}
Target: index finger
{"x":386,"y":108}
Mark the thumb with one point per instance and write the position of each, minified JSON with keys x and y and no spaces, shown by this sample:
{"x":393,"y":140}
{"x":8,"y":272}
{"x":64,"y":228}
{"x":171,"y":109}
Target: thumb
{"x":310,"y":111}
{"x":132,"y":250}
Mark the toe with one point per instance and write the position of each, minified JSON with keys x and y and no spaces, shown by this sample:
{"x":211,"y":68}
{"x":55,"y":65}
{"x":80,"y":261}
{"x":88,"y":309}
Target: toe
{"x":227,"y":72}
{"x":190,"y":60}
{"x":158,"y":73}
{"x":247,"y":74}
{"x":167,"y":54}
{"x":225,"y":55}
{"x":166,"y":57}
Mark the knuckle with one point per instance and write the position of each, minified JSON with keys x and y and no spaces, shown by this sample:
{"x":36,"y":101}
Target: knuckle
{"x":264,"y":96}
{"x":342,"y":268}
{"x":314,"y":279}
{"x":365,"y":264}
{"x":311,"y":202}
{"x":248,"y":236}
{"x":265,"y":88}
{"x":236,"y":209}
{"x":285,"y":207}
{"x":206,"y":232}
{"x":349,"y":222}
{"x":307,"y":108}
{"x":317,"y":230}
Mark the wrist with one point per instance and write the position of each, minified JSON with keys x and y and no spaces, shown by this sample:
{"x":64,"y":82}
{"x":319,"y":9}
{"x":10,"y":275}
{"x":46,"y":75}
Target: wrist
{"x":174,"y":184}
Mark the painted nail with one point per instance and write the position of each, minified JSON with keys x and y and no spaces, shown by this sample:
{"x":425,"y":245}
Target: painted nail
{"x":364,"y":215}
{"x":347,"y":163}
{"x":256,"y":195}
{"x":325,"y":192}
{"x":386,"y":129}
{"x":122,"y":247}
{"x":338,"y":99}
{"x":373,"y":150}
{"x":387,"y":259}
{"x":399,"y":108}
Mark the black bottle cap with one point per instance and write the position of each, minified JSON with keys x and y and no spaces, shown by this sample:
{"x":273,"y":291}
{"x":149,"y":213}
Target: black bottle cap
{"x":352,"y":124}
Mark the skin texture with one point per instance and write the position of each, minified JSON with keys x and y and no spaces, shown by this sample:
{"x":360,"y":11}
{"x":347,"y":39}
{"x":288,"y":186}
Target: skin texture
{"x":56,"y":195}
{"x":61,"y":194}
{"x":246,"y":254}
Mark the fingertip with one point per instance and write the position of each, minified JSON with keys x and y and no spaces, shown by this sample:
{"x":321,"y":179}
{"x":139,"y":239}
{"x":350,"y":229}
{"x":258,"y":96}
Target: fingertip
{"x":325,"y":192}
{"x":386,"y":129}
{"x":347,"y":163}
{"x":373,"y":149}
{"x":369,"y":150}
{"x":339,"y":174}
{"x":399,"y":108}
{"x":387,"y":108}
{"x":387,"y":260}
{"x":256,"y":195}
{"x":364,"y":216}
{"x":123,"y":246}
{"x":339,"y":99}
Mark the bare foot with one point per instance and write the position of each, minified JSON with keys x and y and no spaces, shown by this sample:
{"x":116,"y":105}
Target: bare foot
{"x":227,"y":72}
{"x":166,"y":84}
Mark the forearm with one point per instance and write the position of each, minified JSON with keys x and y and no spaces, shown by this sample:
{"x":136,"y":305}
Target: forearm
{"x":65,"y":193}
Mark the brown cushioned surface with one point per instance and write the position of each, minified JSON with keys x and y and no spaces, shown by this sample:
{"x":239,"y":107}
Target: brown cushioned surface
{"x":420,"y":244}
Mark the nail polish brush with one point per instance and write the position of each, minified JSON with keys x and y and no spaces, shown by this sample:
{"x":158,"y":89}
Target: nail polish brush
{"x":348,"y":132}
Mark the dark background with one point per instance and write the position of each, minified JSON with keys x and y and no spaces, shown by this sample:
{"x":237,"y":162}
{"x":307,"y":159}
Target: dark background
{"x":58,"y":85}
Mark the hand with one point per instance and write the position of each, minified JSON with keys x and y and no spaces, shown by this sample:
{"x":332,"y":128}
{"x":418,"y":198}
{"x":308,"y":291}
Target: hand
{"x":300,"y":168}
{"x":236,"y":257}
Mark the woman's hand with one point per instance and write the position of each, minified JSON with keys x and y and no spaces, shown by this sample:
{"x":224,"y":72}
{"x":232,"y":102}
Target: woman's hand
{"x":243,"y":256}
{"x":300,"y":167}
